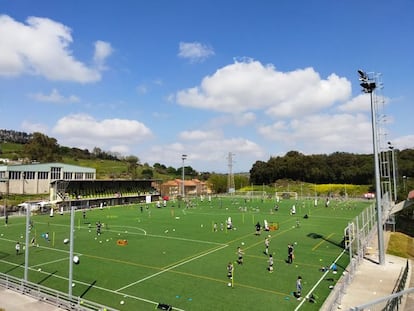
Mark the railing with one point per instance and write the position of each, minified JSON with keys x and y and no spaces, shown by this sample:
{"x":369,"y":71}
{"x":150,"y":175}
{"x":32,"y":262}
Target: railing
{"x":50,"y":296}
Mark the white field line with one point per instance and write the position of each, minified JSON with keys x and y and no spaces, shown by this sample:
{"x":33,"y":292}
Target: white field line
{"x":49,"y":262}
{"x":152,"y":235}
{"x":317,"y":283}
{"x":170,"y":268}
{"x":97,"y":287}
{"x":45,"y":247}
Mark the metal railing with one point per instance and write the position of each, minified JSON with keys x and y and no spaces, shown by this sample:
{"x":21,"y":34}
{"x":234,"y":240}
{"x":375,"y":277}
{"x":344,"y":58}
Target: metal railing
{"x":393,"y":301}
{"x":50,"y":296}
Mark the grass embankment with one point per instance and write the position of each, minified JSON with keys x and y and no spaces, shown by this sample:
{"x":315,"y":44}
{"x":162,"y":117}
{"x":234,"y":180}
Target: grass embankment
{"x":401,"y":245}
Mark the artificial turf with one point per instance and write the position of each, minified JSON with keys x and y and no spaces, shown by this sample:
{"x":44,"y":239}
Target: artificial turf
{"x":174,"y":256}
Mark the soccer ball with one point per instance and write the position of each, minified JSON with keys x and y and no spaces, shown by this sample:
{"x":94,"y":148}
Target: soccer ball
{"x":76,"y":260}
{"x":66,"y":241}
{"x":229,"y":284}
{"x":242,"y":243}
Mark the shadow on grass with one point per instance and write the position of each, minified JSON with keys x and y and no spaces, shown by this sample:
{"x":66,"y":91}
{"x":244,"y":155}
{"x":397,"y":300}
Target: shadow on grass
{"x":14,"y":268}
{"x":46,"y":277}
{"x":87,"y":290}
{"x":318,"y":236}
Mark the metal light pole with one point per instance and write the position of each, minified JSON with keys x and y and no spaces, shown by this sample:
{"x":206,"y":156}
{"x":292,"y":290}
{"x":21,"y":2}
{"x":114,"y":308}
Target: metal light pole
{"x":71,"y":241}
{"x":368,"y":86}
{"x":183,"y":157}
{"x":394,"y":170}
{"x":26,"y":252}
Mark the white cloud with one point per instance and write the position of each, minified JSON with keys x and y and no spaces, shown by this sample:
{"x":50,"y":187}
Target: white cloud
{"x":102,"y":51}
{"x":323,"y":133}
{"x":199,"y":135}
{"x":195,"y":51}
{"x":238,"y":119}
{"x":41,"y":47}
{"x":30,"y":127}
{"x":84,"y":131}
{"x":249,"y":85}
{"x":208,"y":155}
{"x":404,"y":142}
{"x":54,"y":97}
{"x":358,"y":103}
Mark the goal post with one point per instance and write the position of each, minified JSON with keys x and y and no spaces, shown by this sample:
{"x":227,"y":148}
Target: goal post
{"x":286,"y":195}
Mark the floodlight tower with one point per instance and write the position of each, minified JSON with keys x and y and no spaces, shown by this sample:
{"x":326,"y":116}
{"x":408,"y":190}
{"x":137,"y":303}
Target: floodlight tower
{"x":183,"y":157}
{"x":368,"y":85}
{"x":230,"y":177}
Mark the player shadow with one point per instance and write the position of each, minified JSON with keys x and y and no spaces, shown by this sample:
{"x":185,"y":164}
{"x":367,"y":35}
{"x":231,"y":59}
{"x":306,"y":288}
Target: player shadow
{"x":315,"y":236}
{"x":89,"y":287}
{"x":14,"y":268}
{"x":47,"y":277}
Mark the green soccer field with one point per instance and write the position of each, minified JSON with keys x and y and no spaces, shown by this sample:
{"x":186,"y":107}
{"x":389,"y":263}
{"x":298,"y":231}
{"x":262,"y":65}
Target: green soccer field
{"x":174,"y":256}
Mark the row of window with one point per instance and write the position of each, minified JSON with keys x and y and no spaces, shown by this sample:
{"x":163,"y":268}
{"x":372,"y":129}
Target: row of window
{"x":54,"y":175}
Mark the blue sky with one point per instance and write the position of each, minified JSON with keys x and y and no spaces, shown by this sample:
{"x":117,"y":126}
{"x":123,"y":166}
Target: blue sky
{"x":161,"y":78}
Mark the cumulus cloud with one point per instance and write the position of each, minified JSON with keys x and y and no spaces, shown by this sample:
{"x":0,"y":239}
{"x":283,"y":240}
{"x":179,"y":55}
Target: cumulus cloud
{"x":83,"y":130}
{"x":102,"y":51}
{"x":41,"y":47}
{"x":199,"y":135}
{"x":194,"y":51}
{"x":210,"y":154}
{"x":31,"y":127}
{"x":404,"y":142}
{"x":249,"y":85}
{"x":323,"y":133}
{"x":54,"y":97}
{"x":357,"y":103}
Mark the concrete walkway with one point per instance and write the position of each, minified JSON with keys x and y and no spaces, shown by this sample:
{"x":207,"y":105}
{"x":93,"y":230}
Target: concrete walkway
{"x":13,"y":301}
{"x":373,"y":281}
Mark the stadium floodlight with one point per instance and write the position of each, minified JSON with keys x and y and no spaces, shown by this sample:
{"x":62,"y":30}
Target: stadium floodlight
{"x":368,"y":86}
{"x":362,"y":75}
{"x":183,"y":157}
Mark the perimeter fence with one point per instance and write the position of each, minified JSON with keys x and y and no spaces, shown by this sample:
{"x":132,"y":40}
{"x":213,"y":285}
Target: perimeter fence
{"x":50,"y":296}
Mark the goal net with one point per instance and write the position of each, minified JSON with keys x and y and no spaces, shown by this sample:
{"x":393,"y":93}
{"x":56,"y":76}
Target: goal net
{"x":286,"y":195}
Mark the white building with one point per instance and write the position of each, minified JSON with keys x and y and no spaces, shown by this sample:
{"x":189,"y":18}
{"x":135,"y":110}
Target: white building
{"x":36,"y":178}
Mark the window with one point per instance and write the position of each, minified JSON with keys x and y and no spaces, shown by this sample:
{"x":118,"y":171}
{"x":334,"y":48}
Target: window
{"x":15,"y":175}
{"x":55,"y":173}
{"x":89,"y":175}
{"x":67,"y":175}
{"x":29,"y":175}
{"x":43,"y":175}
{"x":79,"y":175}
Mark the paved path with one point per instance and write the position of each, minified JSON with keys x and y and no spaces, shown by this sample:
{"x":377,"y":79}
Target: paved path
{"x":13,"y":301}
{"x":373,"y":281}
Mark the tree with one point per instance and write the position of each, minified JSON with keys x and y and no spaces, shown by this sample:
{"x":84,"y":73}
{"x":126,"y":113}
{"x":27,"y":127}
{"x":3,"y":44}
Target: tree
{"x":160,"y":168}
{"x":42,"y":148}
{"x":147,"y":173}
{"x":132,"y":164}
{"x":218,"y":183}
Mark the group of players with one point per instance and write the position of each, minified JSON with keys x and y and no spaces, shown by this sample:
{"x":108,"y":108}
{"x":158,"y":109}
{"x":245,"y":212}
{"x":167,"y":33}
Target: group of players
{"x":270,"y":261}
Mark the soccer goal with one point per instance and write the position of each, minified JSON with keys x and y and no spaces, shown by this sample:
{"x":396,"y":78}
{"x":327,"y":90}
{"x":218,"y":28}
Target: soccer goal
{"x":286,"y":195}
